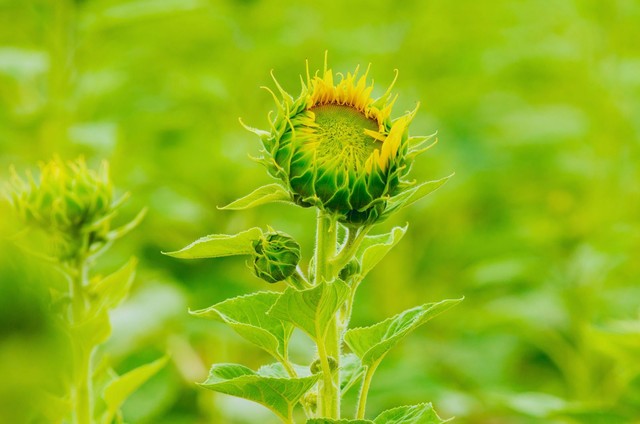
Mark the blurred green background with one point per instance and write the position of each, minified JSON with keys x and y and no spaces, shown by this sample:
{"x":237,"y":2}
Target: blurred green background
{"x":537,"y":107}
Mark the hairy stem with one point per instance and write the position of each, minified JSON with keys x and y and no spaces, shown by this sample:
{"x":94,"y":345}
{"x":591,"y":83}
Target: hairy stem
{"x":329,"y":343}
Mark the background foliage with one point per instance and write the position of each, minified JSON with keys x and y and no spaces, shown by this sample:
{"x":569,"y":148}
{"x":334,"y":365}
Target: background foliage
{"x":538,"y":111}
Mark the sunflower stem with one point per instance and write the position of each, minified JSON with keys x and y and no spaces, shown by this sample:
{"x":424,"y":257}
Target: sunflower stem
{"x":329,"y":344}
{"x":82,"y":413}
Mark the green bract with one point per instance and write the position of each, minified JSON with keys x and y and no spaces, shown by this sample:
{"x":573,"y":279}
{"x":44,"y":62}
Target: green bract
{"x":276,"y":256}
{"x":336,"y":148}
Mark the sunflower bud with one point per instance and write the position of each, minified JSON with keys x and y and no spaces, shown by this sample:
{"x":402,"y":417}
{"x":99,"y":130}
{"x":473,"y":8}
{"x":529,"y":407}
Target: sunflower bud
{"x":349,"y":270}
{"x":337,"y":148}
{"x":276,"y":256}
{"x":69,"y":201}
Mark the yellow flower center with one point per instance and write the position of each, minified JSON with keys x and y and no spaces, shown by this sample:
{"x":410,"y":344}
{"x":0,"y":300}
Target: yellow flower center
{"x":341,"y":134}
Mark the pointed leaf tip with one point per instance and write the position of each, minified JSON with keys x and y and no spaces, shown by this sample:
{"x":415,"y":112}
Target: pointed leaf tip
{"x":372,"y":343}
{"x":269,"y":193}
{"x":413,"y":414}
{"x":219,"y":245}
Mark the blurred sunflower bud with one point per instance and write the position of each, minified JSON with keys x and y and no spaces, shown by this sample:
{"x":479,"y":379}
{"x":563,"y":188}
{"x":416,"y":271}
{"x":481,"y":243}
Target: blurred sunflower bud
{"x":69,"y":201}
{"x":276,"y":256}
{"x":337,"y":148}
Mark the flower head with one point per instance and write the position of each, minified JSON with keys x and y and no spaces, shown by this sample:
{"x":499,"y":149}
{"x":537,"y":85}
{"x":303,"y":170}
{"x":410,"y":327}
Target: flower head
{"x":337,"y":148}
{"x":69,"y":201}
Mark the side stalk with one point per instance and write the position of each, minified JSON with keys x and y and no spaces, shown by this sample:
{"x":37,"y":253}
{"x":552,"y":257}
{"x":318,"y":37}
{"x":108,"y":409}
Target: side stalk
{"x":364,"y":391}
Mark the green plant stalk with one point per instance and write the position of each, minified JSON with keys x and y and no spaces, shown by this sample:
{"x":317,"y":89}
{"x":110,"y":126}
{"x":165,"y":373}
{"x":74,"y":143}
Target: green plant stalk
{"x":329,"y":342}
{"x":82,"y":384}
{"x":350,"y":247}
{"x":364,"y":390}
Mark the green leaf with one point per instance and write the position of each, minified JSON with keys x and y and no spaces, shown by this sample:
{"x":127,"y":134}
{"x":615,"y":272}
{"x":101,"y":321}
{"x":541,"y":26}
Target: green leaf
{"x":342,"y":421}
{"x":266,"y":194}
{"x":122,"y":387}
{"x":54,"y":408}
{"x":278,"y":370}
{"x":351,"y":371}
{"x":415,"y":414}
{"x":412,"y":195}
{"x":126,"y":228}
{"x":311,"y":309}
{"x":93,"y":330}
{"x":108,"y":292}
{"x":219,"y":245}
{"x":277,"y":394}
{"x":374,"y":248}
{"x":247,"y":315}
{"x":372,"y":343}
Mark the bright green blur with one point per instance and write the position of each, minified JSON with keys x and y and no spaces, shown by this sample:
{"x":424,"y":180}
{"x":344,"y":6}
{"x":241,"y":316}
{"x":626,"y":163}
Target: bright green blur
{"x":537,"y":108}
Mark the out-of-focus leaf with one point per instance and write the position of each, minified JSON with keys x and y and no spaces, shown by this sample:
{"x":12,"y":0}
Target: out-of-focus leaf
{"x":54,"y":408}
{"x":311,"y":309}
{"x":351,"y":371}
{"x":374,"y":248}
{"x":261,"y":196}
{"x":126,"y":228}
{"x":122,"y":387}
{"x":247,"y":315}
{"x":219,"y":245}
{"x":108,"y":292}
{"x":278,"y":370}
{"x":372,"y":343}
{"x":415,"y":414}
{"x":93,"y":330}
{"x":342,"y":421}
{"x":277,"y":394}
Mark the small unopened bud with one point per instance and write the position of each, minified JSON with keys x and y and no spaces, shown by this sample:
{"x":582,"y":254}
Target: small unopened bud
{"x":316,"y":366}
{"x":310,"y":400}
{"x":276,"y":256}
{"x":349,"y":270}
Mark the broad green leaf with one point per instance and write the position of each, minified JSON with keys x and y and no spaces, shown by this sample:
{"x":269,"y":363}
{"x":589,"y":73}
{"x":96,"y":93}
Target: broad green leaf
{"x":108,"y":292}
{"x":278,"y":370}
{"x":351,"y":371}
{"x":277,"y":394}
{"x":260,"y":196}
{"x":342,"y":421}
{"x":122,"y":387}
{"x":374,"y":248}
{"x":312,"y":309}
{"x":247,"y":315}
{"x":412,"y":195}
{"x":415,"y":414}
{"x":218,"y":245}
{"x":372,"y":343}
